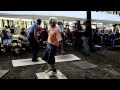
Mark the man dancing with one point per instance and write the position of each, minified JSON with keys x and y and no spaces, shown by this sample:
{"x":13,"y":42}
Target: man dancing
{"x":32,"y":38}
{"x":54,"y":40}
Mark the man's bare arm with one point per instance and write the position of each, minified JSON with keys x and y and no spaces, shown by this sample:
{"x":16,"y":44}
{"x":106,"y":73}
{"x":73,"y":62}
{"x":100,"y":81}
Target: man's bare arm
{"x":61,"y":44}
{"x":35,"y":35}
{"x":62,"y":48}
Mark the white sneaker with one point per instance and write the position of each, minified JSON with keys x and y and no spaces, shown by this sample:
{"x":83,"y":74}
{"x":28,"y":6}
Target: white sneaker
{"x":53,"y":74}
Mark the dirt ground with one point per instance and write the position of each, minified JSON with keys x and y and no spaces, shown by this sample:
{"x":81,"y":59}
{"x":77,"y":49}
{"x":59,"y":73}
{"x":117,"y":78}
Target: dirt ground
{"x":108,"y":62}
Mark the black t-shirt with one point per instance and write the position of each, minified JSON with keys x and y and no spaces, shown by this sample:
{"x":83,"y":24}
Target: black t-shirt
{"x":77,"y":33}
{"x":88,"y":31}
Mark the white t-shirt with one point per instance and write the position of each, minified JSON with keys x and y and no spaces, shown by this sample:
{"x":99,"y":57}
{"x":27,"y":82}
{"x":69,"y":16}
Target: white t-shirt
{"x":59,"y":28}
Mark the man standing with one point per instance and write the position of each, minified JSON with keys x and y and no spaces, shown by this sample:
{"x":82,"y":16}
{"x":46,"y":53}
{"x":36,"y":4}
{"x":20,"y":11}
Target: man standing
{"x":87,"y":35}
{"x":60,"y":29}
{"x":78,"y":35}
{"x":32,"y":38}
{"x":54,"y":40}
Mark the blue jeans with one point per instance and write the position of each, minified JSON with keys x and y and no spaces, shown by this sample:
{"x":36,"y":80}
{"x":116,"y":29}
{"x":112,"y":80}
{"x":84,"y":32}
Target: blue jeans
{"x":77,"y":43}
{"x":49,"y":54}
{"x":86,"y":49}
{"x":35,"y":48}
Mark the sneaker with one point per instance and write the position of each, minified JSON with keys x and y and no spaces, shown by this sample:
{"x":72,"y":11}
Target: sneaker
{"x":53,"y":74}
{"x":53,"y":70}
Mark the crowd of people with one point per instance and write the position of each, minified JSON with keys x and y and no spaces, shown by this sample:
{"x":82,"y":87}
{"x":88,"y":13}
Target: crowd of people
{"x":106,"y":37}
{"x":8,"y":43}
{"x":81,"y":39}
{"x":56,"y":39}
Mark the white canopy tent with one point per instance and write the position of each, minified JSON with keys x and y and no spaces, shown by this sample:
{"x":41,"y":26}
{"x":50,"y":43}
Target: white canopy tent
{"x":105,"y":18}
{"x":72,"y":15}
{"x":44,"y":15}
{"x":99,"y":17}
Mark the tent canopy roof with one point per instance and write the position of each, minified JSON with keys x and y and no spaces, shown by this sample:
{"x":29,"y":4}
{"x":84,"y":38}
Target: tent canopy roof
{"x":66,"y":15}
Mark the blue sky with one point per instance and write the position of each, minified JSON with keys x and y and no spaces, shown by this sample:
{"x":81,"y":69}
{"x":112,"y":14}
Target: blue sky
{"x":81,"y":14}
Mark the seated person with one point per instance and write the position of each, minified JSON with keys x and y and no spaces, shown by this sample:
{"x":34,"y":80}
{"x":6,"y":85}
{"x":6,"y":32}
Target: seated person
{"x":7,"y":29}
{"x":117,"y":40}
{"x":16,"y":47}
{"x":43,"y":35}
{"x":23,"y":38}
{"x":12,"y":29}
{"x":23,"y":32}
{"x":2,"y":49}
{"x":113,"y":36}
{"x":39,"y":31}
{"x":117,"y":35}
{"x":6,"y":39}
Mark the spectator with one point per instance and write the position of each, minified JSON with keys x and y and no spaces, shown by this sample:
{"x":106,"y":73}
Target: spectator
{"x":6,"y":39}
{"x":60,"y":29}
{"x":78,"y":35}
{"x":87,"y":35}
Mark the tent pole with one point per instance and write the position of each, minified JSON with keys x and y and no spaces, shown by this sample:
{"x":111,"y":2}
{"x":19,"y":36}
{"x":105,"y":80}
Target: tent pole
{"x":33,"y":18}
{"x":90,"y":40}
{"x":89,"y":15}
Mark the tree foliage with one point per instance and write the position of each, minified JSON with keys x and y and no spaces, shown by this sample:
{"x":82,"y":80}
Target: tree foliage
{"x":111,"y":12}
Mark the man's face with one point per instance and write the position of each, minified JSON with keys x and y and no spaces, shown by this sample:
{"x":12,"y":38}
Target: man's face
{"x":51,"y":24}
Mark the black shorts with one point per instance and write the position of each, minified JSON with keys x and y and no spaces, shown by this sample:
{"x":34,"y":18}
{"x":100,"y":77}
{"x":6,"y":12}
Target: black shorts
{"x":49,"y":54}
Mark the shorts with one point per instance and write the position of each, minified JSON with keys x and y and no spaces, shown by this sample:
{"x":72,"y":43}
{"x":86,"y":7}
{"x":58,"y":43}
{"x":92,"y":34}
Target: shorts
{"x":49,"y":54}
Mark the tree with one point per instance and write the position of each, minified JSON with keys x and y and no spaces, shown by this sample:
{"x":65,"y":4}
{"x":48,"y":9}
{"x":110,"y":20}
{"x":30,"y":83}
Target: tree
{"x":112,"y":12}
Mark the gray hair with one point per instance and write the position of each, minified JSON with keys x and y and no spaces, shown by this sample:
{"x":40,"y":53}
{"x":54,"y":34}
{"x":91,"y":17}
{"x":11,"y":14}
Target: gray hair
{"x":53,"y":20}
